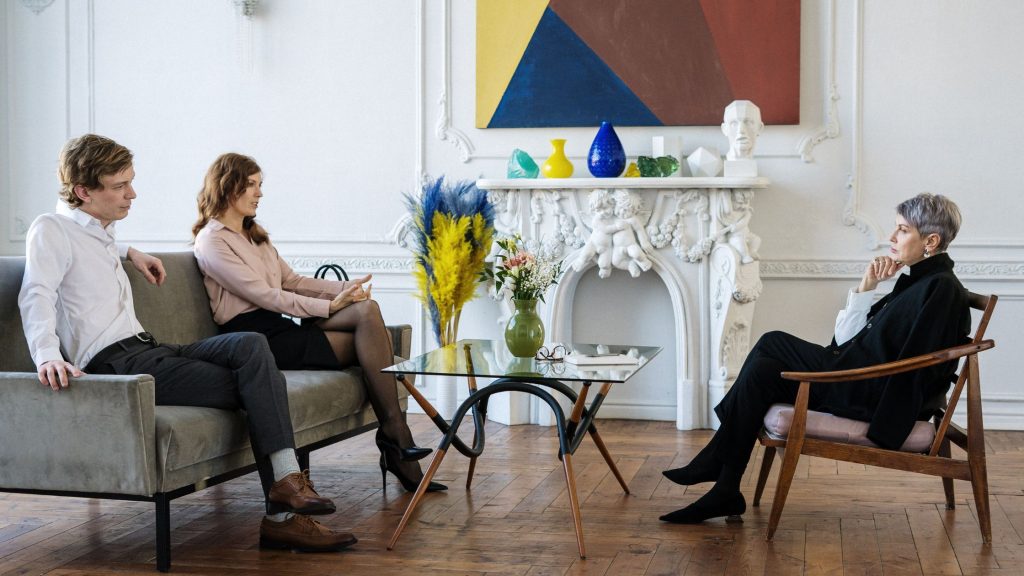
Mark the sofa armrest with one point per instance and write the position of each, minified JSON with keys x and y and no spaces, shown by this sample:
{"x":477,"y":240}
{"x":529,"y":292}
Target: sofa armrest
{"x":401,"y":339}
{"x":96,"y":436}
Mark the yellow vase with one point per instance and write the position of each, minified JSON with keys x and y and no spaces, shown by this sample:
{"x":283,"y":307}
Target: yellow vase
{"x":557,"y":165}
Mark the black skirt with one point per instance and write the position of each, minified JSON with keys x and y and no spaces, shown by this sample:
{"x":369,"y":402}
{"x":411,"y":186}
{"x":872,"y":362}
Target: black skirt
{"x":295,"y":346}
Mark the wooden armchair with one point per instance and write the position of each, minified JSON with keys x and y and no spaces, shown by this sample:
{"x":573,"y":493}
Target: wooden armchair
{"x":930,"y":457}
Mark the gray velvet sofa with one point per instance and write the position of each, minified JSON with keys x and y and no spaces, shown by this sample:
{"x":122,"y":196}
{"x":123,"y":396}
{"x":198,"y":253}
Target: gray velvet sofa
{"x":105,"y":438}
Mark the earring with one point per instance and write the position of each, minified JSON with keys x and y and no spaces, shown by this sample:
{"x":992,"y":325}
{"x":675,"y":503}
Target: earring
{"x":926,"y":253}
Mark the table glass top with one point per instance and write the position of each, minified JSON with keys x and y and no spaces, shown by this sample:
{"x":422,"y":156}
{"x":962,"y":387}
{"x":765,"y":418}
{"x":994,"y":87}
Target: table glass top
{"x":491,"y":359}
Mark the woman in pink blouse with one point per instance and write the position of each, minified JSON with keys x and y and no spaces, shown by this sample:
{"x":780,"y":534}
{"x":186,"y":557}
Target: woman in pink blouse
{"x":251,"y":286}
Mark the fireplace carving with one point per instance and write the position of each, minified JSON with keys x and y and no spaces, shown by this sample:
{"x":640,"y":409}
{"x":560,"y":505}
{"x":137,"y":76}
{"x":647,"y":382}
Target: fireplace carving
{"x":694,"y":233}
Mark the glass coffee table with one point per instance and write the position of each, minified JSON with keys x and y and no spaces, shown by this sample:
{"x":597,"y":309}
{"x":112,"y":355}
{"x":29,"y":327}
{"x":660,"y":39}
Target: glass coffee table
{"x":540,"y":378}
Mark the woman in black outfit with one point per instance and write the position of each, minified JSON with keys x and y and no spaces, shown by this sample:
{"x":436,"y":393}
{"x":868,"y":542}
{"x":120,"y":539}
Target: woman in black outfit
{"x":926,"y":311}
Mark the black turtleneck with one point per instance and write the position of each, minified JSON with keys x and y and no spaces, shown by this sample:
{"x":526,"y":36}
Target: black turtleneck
{"x":926,"y":311}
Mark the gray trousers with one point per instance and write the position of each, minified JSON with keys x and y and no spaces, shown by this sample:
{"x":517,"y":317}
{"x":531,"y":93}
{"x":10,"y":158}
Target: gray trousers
{"x":231,"y":372}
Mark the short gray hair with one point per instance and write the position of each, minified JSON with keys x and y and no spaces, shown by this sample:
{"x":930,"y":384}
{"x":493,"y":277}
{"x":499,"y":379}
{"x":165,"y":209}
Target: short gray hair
{"x":932,"y":214}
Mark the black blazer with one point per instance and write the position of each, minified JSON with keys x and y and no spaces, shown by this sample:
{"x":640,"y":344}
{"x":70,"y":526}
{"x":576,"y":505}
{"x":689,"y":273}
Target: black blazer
{"x":928,"y":310}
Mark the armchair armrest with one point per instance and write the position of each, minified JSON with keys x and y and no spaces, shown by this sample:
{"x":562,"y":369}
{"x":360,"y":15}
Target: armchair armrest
{"x":401,"y":339}
{"x":890,"y":368}
{"x":98,"y":435}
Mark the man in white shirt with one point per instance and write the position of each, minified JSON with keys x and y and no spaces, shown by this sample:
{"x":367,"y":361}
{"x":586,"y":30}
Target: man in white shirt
{"x":77,"y":312}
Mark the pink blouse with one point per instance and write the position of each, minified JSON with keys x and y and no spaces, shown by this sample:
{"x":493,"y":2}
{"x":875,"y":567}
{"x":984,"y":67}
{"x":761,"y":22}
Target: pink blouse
{"x":241,"y":277}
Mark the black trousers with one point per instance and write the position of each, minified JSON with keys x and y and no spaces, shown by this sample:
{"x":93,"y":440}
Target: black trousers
{"x":230,"y":371}
{"x":758,"y":386}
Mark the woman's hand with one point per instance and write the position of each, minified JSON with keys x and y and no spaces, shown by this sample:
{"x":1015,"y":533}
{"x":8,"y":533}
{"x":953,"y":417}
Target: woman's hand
{"x":352,"y":293}
{"x":880,"y":269}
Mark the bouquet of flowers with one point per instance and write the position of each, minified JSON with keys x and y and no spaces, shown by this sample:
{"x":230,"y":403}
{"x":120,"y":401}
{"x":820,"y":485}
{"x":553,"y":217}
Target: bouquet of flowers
{"x":521,"y":273}
{"x":452,"y":232}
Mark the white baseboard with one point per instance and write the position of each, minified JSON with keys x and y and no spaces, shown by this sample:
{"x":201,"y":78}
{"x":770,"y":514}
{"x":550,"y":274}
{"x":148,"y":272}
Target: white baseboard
{"x":1002,"y":412}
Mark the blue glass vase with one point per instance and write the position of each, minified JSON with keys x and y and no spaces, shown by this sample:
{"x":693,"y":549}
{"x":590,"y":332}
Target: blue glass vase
{"x":607,"y":158}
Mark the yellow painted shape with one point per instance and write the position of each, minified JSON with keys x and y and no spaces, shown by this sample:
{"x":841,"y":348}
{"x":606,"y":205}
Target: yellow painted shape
{"x":503,"y":30}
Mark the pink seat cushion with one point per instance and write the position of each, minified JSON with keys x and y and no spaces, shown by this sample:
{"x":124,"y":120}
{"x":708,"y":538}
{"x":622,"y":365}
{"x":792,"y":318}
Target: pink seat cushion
{"x":826,"y":426}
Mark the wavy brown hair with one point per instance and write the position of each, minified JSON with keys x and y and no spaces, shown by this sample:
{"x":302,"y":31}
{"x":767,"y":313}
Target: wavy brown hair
{"x":225,"y":181}
{"x":84,"y":160}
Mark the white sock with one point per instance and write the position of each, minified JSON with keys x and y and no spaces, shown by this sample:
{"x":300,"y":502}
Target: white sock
{"x":284,"y":463}
{"x":280,"y":517}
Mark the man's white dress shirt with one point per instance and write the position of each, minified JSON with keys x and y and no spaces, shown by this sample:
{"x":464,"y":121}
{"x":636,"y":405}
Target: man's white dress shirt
{"x":75,"y":297}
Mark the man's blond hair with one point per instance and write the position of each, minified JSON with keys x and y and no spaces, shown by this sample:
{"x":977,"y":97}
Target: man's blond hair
{"x":84,"y":160}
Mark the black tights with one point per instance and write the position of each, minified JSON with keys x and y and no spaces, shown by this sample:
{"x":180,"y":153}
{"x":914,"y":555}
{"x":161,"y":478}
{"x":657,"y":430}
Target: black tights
{"x":358,"y":336}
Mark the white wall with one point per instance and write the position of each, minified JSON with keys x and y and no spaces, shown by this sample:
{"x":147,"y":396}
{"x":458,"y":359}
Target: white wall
{"x":347,"y":104}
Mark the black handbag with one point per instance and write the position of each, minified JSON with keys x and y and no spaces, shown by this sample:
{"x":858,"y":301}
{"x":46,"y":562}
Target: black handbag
{"x":338,"y":271}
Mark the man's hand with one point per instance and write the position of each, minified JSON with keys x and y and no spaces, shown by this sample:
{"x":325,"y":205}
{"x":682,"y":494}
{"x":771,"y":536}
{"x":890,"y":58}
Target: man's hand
{"x":150,"y":266}
{"x":353,"y":292}
{"x":880,"y":269}
{"x":55,"y":373}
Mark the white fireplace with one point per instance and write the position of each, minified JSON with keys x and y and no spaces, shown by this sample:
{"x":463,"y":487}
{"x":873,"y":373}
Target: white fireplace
{"x":692,"y":234}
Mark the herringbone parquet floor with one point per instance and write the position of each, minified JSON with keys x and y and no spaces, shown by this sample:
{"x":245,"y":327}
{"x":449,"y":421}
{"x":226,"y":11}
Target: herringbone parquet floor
{"x":839,"y":518}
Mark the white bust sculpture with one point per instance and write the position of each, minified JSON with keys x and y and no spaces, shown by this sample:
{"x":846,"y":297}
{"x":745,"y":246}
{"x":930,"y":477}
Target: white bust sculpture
{"x":742,"y":124}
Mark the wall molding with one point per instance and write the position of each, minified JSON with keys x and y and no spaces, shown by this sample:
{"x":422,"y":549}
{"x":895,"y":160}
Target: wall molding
{"x":851,"y":215}
{"x":384,"y":264}
{"x":443,"y":129}
{"x":805,"y":147}
{"x":1011,"y":270}
{"x":36,"y":6}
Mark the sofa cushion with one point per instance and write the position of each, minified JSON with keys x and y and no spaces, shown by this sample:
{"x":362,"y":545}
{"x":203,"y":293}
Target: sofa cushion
{"x":178,"y":312}
{"x":15,"y":357}
{"x":824,"y":426}
{"x":186,"y":435}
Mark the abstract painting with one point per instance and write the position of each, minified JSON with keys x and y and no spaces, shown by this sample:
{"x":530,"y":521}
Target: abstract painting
{"x":635,"y":62}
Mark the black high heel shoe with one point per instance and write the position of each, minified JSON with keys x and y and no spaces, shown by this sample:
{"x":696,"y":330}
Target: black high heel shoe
{"x":404,"y":454}
{"x":409,"y":484}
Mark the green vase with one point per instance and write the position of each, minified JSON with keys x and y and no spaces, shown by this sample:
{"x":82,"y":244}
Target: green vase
{"x":524,"y":333}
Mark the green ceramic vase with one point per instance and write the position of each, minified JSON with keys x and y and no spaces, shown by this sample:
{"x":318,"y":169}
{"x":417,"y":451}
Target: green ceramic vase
{"x":524,"y":333}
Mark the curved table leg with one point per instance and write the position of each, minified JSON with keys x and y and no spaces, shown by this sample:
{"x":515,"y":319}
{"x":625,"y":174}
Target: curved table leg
{"x":435,"y":463}
{"x":608,"y":458}
{"x":577,"y":415}
{"x":482,"y":409}
{"x":475,"y":401}
{"x":574,"y":501}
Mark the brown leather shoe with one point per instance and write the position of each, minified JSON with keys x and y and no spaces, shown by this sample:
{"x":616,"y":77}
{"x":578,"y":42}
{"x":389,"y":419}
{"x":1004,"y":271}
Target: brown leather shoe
{"x":295,"y":493}
{"x":302,"y":534}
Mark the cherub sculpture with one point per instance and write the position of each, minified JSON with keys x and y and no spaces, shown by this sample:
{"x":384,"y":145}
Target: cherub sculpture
{"x":630,"y":242}
{"x":734,"y":215}
{"x":602,"y":225}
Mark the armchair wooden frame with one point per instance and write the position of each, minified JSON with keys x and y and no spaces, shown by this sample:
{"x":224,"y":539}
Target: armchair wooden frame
{"x":937,"y":461}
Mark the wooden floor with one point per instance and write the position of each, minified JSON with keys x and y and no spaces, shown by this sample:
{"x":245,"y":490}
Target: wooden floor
{"x":840,"y":518}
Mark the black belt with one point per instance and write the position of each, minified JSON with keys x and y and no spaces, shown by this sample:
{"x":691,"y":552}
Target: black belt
{"x":129,"y":344}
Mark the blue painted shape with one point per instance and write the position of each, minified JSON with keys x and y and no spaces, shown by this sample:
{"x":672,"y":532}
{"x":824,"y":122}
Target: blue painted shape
{"x":560,"y":81}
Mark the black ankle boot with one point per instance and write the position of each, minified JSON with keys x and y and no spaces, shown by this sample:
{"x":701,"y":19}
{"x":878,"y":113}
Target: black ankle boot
{"x":714,"y":504}
{"x":693,"y":473}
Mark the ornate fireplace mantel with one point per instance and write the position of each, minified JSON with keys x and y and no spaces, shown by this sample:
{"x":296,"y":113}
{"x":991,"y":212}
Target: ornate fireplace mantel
{"x":693,"y":232}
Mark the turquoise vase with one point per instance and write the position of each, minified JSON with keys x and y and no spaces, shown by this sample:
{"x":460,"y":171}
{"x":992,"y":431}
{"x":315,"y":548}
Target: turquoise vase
{"x":524,"y":333}
{"x":607,"y":158}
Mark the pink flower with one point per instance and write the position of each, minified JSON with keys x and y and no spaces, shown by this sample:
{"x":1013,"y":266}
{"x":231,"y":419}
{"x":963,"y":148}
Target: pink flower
{"x":518,"y":260}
